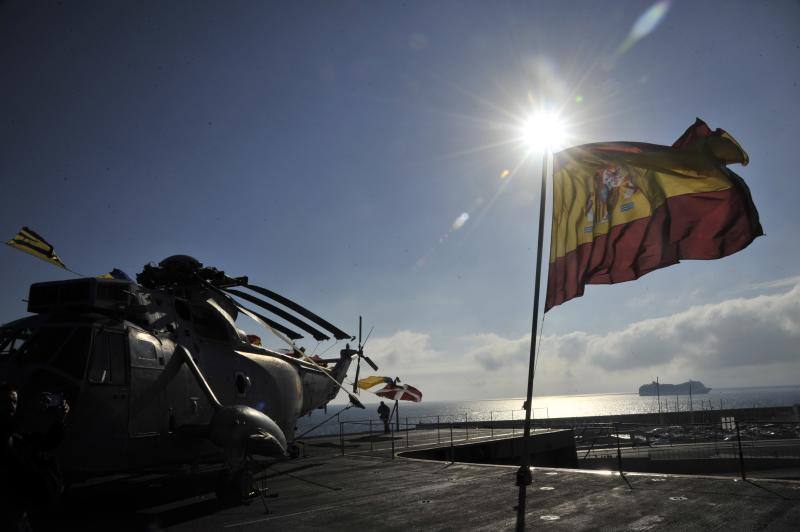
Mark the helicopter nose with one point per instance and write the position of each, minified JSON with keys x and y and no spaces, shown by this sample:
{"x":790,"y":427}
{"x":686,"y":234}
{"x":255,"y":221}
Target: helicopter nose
{"x":246,"y":429}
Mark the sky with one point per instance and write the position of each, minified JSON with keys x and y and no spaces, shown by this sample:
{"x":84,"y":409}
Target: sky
{"x":364,"y":158}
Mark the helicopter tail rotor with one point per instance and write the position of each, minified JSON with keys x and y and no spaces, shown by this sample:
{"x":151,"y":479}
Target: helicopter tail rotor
{"x":360,"y":354}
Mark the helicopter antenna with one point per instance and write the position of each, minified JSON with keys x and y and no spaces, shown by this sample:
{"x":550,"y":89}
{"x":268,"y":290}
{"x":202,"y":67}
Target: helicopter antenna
{"x":329,"y":348}
{"x":367,"y":338}
{"x":315,"y":349}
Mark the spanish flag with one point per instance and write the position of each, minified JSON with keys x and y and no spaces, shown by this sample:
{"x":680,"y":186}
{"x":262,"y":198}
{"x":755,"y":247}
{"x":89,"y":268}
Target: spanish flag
{"x":29,"y":241}
{"x":624,"y":209}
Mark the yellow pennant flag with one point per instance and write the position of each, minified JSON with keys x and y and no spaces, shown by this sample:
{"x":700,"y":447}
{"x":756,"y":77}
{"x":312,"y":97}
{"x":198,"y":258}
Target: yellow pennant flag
{"x":368,"y":382}
{"x":30,"y":242}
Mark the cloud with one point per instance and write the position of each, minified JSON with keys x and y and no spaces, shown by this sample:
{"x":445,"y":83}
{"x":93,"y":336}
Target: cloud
{"x":493,"y":352}
{"x":777,"y":283}
{"x":737,"y":342}
{"x":401,"y":348}
{"x":735,"y":333}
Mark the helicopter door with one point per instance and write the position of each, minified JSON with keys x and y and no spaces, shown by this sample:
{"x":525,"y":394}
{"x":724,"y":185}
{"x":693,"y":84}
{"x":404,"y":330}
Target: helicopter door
{"x":146,"y":366}
{"x":107,"y":393}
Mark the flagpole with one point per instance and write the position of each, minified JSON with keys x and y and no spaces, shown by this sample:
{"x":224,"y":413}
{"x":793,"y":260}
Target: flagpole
{"x":524,"y":471}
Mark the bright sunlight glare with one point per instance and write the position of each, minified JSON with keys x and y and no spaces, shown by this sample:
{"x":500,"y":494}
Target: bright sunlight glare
{"x":544,"y":131}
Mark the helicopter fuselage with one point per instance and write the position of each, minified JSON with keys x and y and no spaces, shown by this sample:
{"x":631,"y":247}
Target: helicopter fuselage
{"x":109,"y":354}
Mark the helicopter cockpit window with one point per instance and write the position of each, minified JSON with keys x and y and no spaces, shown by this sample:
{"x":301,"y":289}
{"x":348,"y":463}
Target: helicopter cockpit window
{"x":108,"y":359}
{"x":11,"y":340}
{"x":144,"y":350}
{"x":72,"y":357}
{"x":44,"y":344}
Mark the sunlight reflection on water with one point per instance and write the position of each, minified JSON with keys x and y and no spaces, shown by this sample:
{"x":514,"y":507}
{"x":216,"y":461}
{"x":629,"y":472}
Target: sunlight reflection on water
{"x":558,"y":406}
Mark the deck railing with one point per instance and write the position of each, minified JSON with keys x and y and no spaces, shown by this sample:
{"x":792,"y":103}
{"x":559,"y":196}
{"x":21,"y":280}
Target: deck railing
{"x":730,"y":446}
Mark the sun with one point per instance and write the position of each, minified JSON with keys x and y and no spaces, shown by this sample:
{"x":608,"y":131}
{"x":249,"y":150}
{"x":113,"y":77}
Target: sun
{"x":545,"y":130}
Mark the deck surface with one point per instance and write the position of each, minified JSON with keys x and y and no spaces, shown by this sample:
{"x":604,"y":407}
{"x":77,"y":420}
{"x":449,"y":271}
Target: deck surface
{"x":368,"y":490}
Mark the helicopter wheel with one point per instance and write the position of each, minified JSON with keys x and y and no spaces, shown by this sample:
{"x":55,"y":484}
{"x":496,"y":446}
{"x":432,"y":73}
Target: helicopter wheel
{"x":294,"y":451}
{"x":234,"y":487}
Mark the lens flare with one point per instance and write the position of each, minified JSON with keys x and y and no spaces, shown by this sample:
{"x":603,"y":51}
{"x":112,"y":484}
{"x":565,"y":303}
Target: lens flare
{"x":650,"y":19}
{"x":460,"y":221}
{"x":644,"y":25}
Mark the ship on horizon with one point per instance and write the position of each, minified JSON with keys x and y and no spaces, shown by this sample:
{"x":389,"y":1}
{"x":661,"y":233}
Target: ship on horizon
{"x":689,"y":387}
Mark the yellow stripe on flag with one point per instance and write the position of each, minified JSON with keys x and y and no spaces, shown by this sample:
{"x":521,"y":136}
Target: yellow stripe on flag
{"x":30,"y":242}
{"x":599,"y":186}
{"x":368,"y":382}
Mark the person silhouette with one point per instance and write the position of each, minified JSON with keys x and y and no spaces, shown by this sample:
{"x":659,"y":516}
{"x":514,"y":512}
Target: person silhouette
{"x":383,"y":412}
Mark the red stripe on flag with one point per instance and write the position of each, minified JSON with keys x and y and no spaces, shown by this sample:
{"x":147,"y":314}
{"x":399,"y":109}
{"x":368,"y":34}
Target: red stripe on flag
{"x":701,"y":226}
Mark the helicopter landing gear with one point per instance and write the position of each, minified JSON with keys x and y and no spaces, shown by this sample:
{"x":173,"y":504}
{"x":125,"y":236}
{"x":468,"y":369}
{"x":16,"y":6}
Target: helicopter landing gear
{"x":294,"y":451}
{"x":241,"y":487}
{"x":234,"y":487}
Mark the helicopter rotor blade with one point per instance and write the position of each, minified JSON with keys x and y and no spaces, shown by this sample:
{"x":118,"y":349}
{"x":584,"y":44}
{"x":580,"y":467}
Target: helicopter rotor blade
{"x":272,"y":324}
{"x":358,"y":368}
{"x":316,"y":333}
{"x":257,"y":319}
{"x":358,"y":360}
{"x":288,"y":303}
{"x":293,"y":335}
{"x":269,"y":324}
{"x":356,"y":402}
{"x":371,"y":363}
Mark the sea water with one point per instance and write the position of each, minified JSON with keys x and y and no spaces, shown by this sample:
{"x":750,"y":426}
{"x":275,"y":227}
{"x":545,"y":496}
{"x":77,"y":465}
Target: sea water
{"x":554,"y":406}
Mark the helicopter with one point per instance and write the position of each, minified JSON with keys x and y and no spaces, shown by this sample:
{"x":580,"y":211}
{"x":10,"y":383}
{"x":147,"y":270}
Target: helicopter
{"x":158,"y":374}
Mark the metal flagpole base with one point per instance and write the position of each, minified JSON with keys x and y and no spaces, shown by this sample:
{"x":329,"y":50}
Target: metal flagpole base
{"x":524,"y":476}
{"x":524,"y":479}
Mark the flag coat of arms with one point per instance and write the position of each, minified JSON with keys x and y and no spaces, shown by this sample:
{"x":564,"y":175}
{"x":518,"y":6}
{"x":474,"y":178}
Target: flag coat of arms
{"x":624,"y":209}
